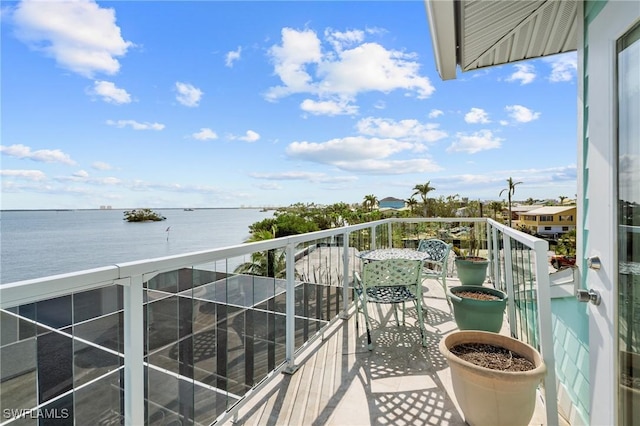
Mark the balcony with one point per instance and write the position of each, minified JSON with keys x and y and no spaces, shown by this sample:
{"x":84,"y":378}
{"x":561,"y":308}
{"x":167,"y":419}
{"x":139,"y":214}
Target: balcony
{"x":259,"y":333}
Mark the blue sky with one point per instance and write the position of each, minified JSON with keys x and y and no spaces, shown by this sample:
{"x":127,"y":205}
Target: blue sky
{"x":224,"y":104}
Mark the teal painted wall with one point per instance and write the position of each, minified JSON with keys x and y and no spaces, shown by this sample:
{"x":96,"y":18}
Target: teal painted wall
{"x":570,"y":319}
{"x":571,"y":350}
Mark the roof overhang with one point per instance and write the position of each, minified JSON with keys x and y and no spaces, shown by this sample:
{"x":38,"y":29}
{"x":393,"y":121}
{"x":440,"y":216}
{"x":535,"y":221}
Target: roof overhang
{"x":474,"y":34}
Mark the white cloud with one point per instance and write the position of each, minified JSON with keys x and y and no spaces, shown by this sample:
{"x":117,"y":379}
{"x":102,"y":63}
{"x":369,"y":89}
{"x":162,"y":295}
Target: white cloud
{"x":563,"y":67}
{"x":475,"y":142}
{"x":80,"y":35}
{"x":34,"y":175}
{"x":250,"y":136}
{"x":40,"y":155}
{"x":303,"y":67}
{"x":81,"y":174}
{"x":330,"y":108}
{"x":296,"y":175}
{"x":100,"y":165}
{"x":435,"y":113}
{"x":521,"y":114}
{"x":346,"y":149}
{"x":525,"y":74}
{"x":110,"y":93}
{"x":339,"y":40}
{"x":477,"y":115}
{"x":389,"y":167}
{"x":410,"y":130}
{"x":303,"y":176}
{"x":298,"y":48}
{"x":188,"y":95}
{"x":270,"y":186}
{"x":232,"y":56}
{"x":380,"y":104}
{"x":135,"y":125}
{"x":371,"y":67}
{"x":205,"y":134}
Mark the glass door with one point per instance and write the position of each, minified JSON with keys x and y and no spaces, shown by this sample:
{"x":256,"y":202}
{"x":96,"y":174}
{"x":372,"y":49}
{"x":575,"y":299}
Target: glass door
{"x":628,"y":153}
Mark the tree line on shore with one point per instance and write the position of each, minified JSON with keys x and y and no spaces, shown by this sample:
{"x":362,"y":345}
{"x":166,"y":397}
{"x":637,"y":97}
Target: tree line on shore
{"x":301,"y":218}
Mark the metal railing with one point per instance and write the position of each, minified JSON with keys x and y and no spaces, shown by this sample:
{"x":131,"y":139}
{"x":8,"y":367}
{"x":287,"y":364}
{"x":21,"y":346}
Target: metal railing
{"x":189,"y":338}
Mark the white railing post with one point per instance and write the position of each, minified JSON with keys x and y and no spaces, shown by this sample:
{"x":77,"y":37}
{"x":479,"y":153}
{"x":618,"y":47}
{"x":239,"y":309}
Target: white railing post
{"x":373,"y":237}
{"x":508,"y":282}
{"x":490,"y":254}
{"x":546,"y":330}
{"x":133,"y":351}
{"x":290,"y":310}
{"x":497,"y":275}
{"x":389,"y":230}
{"x":345,"y":274}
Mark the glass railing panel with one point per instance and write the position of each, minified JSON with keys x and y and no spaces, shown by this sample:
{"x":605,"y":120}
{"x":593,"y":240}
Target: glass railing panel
{"x":56,"y":347}
{"x":360,"y":239}
{"x":97,"y":348}
{"x":100,"y":401}
{"x":164,"y":400}
{"x":18,"y":364}
{"x":525,"y":294}
{"x":57,"y":411}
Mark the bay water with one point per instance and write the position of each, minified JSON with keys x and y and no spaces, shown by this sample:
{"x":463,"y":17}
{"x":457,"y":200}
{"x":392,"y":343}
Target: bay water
{"x":39,"y":243}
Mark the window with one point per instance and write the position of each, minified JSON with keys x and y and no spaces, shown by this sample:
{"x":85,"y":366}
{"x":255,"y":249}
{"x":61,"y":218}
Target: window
{"x":546,"y":218}
{"x":566,"y":218}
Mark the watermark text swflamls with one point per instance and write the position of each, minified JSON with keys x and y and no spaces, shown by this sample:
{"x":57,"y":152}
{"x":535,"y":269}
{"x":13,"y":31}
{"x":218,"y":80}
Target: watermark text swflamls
{"x":36,"y":413}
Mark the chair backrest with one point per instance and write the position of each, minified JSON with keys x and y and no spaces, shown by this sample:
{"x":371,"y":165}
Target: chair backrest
{"x":391,"y":272}
{"x":437,"y":249}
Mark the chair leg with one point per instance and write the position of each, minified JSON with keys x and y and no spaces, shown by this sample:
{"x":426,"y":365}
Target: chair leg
{"x":368,"y":325}
{"x":395,"y":313}
{"x":444,"y":287}
{"x":423,"y":330}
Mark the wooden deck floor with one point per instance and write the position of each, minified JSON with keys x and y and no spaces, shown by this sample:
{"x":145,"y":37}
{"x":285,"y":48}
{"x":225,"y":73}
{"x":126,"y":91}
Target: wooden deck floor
{"x":340,"y":382}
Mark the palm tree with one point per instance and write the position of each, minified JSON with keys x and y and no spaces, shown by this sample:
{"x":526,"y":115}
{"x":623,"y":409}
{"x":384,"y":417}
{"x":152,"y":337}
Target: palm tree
{"x":496,"y":206}
{"x":423,"y":190}
{"x":562,"y":198}
{"x":511,"y":189}
{"x":271,"y":263}
{"x":412,"y":203}
{"x":370,"y":201}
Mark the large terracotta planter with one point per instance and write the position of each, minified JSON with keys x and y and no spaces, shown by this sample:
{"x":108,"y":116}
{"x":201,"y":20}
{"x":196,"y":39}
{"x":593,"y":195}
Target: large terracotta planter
{"x":471,"y":270}
{"x":473,"y":314}
{"x":492,"y":397}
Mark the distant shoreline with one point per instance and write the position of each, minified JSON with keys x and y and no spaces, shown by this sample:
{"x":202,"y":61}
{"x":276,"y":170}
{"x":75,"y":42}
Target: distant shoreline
{"x":154,"y":208}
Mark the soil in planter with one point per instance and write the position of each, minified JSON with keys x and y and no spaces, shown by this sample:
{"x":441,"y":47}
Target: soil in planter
{"x":491,"y":356}
{"x":478,"y":295}
{"x":473,"y":258}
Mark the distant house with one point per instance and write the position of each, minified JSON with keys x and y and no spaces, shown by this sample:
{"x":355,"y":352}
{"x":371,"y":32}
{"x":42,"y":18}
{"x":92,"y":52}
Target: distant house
{"x":391,"y":203}
{"x":517,"y":211}
{"x":549,"y":220}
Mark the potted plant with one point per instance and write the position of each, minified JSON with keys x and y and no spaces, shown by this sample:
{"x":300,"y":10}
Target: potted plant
{"x":477,"y":307}
{"x":489,"y":391}
{"x":470,"y":267}
{"x":471,"y":270}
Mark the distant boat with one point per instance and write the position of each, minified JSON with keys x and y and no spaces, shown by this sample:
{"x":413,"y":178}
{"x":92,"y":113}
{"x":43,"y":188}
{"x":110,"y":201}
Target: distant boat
{"x":188,"y":210}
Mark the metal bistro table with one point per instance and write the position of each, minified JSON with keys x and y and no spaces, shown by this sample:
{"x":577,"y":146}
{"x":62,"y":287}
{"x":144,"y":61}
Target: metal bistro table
{"x":393,"y":253}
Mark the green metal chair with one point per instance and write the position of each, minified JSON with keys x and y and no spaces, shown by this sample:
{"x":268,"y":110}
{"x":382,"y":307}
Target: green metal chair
{"x":436,"y":266}
{"x":391,"y":281}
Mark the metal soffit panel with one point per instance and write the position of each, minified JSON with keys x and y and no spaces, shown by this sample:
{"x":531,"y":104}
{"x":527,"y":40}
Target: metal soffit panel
{"x":499,"y":32}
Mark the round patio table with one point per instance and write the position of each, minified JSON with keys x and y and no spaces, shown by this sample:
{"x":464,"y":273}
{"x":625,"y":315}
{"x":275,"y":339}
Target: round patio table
{"x":393,"y":253}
